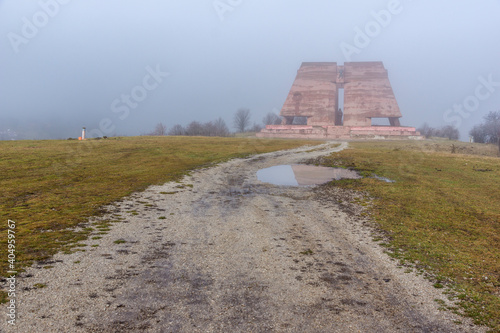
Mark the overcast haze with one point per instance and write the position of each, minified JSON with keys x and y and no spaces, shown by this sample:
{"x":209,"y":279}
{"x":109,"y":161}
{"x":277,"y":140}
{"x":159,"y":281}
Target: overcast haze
{"x":223,"y":55}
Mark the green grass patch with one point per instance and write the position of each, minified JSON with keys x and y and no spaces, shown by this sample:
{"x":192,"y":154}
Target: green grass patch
{"x":441,"y":212}
{"x":49,"y":187}
{"x":120,"y":241}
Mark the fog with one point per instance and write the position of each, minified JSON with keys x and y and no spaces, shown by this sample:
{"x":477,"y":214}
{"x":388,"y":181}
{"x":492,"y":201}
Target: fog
{"x":119,"y":67}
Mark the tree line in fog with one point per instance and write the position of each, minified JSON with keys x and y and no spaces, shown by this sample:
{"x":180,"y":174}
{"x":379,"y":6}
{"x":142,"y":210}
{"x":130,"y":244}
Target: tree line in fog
{"x":448,"y":132}
{"x":241,"y":123}
{"x":486,"y":132}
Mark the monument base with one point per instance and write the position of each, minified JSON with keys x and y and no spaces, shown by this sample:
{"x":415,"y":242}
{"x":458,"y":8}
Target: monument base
{"x":328,"y":132}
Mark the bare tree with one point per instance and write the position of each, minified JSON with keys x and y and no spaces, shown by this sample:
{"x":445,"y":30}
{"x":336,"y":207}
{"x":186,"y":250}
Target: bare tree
{"x":426,"y":130}
{"x":242,"y":119}
{"x":492,"y":126}
{"x":255,"y":128}
{"x":215,"y":128}
{"x":208,"y":129}
{"x":489,"y":131}
{"x":194,"y":128}
{"x":177,"y":130}
{"x":221,"y":128}
{"x":478,"y":133}
{"x":159,"y":130}
{"x":448,"y":131}
{"x":271,"y":119}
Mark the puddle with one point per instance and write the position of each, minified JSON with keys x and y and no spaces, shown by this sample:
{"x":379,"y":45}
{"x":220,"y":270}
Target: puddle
{"x":303,"y":175}
{"x":387,"y":180}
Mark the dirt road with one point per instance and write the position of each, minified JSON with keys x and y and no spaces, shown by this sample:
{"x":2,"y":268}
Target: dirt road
{"x":223,"y":252}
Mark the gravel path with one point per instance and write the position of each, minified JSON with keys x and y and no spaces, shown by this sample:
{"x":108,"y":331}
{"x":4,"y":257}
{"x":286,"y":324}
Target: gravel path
{"x":223,"y":252}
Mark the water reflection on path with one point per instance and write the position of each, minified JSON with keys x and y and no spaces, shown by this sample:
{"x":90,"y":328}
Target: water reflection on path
{"x":303,"y":175}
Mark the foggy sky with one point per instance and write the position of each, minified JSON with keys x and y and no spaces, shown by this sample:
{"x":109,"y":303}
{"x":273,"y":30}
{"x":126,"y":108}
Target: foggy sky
{"x":72,"y":63}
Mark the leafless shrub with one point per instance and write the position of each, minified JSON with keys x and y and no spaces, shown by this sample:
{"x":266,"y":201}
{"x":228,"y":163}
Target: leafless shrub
{"x":195,"y":128}
{"x":177,"y":130}
{"x":448,"y":131}
{"x":241,"y":119}
{"x":159,"y":130}
{"x":489,"y":130}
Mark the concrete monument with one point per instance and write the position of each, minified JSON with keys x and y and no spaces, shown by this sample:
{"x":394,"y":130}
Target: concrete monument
{"x":315,"y":92}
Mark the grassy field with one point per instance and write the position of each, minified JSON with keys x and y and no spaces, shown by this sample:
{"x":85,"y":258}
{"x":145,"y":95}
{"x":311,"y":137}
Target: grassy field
{"x":49,"y":187}
{"x":442,"y":215}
